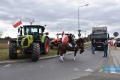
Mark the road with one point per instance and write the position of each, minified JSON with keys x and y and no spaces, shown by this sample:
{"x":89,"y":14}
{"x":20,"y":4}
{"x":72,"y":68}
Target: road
{"x":54,"y":69}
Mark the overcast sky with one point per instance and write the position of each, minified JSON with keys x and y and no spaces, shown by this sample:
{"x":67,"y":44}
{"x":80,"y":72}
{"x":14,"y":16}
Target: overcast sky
{"x":61,"y":15}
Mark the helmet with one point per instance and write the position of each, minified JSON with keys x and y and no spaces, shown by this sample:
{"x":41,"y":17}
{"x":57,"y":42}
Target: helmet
{"x":70,"y":34}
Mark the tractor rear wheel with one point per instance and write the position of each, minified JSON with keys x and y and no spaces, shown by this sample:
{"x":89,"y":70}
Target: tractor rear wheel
{"x":45,"y":46}
{"x":35,"y":52}
{"x":12,"y":50}
{"x":51,"y":45}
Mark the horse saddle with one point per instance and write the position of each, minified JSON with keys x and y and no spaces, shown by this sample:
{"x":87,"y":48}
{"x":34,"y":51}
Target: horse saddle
{"x":71,"y":45}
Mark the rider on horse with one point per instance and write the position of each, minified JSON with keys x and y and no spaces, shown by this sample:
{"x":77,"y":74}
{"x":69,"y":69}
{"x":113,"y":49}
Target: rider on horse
{"x":71,"y":40}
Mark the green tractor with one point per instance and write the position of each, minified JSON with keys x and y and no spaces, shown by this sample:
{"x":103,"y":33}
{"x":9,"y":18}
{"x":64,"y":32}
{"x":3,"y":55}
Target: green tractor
{"x":31,"y":40}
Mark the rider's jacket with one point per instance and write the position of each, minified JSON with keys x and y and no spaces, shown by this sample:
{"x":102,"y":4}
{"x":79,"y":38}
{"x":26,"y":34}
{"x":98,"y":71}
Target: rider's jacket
{"x":70,"y":38}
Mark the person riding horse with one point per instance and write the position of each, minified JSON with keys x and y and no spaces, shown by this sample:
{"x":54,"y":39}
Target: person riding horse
{"x":71,"y":40}
{"x":64,"y":46}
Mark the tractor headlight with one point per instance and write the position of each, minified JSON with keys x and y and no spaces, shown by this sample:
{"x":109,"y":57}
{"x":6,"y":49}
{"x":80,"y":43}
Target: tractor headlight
{"x":19,"y":51}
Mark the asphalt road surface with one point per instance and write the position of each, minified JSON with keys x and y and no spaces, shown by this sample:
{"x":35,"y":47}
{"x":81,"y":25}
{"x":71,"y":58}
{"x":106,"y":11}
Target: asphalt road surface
{"x":54,"y":69}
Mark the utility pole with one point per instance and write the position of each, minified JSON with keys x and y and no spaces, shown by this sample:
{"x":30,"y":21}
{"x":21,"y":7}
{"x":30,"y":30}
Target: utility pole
{"x":78,"y":20}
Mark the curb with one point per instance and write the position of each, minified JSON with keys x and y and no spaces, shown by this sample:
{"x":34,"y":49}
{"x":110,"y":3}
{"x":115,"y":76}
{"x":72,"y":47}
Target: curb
{"x":29,"y":60}
{"x":115,"y":59}
{"x":25,"y":60}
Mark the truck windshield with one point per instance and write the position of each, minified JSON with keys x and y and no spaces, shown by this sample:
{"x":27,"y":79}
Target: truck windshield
{"x":99,"y":31}
{"x":99,"y":36}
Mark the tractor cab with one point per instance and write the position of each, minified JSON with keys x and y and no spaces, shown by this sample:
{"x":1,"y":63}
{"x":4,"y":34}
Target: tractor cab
{"x":35,"y":30}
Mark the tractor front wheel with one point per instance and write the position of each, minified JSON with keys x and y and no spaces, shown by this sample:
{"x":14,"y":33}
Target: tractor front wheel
{"x":12,"y":50}
{"x":35,"y":52}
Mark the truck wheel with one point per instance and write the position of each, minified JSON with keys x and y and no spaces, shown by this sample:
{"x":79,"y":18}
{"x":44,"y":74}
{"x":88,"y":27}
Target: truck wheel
{"x":45,"y":46}
{"x":12,"y":50}
{"x":35,"y":52}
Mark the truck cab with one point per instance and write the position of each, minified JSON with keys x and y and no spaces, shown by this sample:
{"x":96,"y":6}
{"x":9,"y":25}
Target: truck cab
{"x":100,"y":34}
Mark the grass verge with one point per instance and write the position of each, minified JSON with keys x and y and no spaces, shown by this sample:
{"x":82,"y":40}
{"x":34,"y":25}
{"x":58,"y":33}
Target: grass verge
{"x":4,"y":53}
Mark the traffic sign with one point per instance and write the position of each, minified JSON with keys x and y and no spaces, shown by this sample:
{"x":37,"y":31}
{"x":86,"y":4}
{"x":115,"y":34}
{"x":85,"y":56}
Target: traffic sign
{"x":116,"y":34}
{"x":79,"y":35}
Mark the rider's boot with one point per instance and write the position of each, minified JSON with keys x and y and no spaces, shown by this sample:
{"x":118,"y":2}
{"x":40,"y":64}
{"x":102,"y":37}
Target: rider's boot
{"x":73,"y":47}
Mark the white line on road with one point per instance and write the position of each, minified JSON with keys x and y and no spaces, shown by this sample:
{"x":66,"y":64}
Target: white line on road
{"x":101,"y":70}
{"x":113,"y":72}
{"x":89,"y":70}
{"x":76,"y":69}
{"x":8,"y":65}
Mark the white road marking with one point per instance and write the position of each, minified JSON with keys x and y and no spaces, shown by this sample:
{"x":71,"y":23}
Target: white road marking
{"x":89,"y":70}
{"x":108,"y":72}
{"x":8,"y":65}
{"x":76,"y":69}
{"x":101,"y":70}
{"x":113,"y":72}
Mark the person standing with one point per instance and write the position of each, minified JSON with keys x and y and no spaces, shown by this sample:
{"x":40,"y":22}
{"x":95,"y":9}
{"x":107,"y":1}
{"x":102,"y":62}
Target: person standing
{"x":93,"y":46}
{"x":105,"y":48}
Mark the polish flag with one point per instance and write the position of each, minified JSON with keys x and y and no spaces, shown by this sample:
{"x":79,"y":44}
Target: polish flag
{"x":64,"y":38}
{"x":17,"y":23}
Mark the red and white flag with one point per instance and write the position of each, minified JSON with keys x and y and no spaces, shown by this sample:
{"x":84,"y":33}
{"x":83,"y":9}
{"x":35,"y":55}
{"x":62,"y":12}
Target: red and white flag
{"x":17,"y":23}
{"x":64,"y":38}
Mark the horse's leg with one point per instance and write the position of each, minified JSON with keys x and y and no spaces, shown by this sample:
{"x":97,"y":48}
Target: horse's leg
{"x":58,"y":51}
{"x":64,"y":55}
{"x":75,"y":55}
{"x":61,"y":56}
{"x":82,"y":50}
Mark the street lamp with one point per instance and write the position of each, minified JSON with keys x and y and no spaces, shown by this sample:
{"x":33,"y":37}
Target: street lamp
{"x":78,"y":20}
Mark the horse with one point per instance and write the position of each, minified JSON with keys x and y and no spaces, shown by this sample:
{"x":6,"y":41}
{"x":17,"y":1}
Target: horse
{"x":63,"y":47}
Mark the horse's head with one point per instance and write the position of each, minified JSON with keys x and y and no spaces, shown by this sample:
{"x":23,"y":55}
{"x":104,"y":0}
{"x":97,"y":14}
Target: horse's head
{"x":80,"y":42}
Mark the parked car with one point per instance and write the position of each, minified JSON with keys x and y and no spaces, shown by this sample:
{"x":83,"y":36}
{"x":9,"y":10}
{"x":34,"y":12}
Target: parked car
{"x":117,"y":42}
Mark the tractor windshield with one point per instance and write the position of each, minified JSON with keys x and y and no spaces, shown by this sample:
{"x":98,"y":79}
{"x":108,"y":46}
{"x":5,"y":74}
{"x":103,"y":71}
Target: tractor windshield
{"x":31,"y":30}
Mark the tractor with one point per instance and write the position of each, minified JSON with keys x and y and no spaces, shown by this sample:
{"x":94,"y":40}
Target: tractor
{"x":57,"y":41}
{"x":31,"y":40}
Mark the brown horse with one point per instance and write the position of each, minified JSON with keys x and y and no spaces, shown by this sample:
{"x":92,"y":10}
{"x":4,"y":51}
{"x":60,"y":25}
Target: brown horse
{"x":62,"y":48}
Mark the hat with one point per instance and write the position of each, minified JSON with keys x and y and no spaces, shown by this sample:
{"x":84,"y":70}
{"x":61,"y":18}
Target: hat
{"x":63,"y":33}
